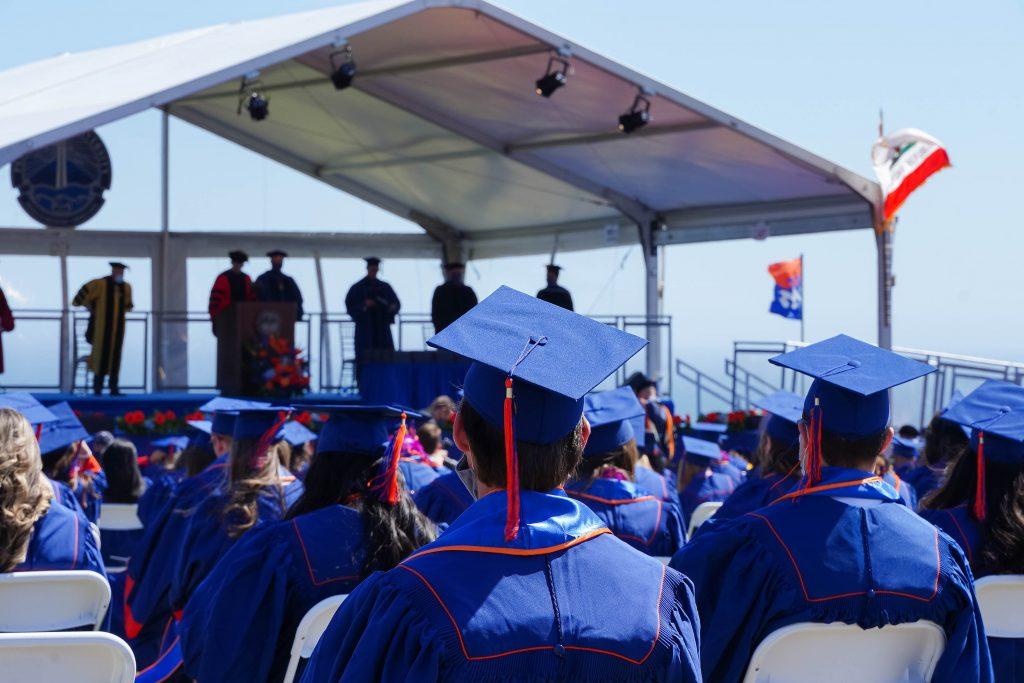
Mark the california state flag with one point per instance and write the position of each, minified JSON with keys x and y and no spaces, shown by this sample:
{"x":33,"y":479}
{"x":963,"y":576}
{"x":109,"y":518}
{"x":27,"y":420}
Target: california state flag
{"x":903,"y":161}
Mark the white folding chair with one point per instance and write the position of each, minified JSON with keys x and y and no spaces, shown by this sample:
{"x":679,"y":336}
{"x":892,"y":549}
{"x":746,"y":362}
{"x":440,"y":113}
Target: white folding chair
{"x":1001,"y":599}
{"x":119,"y":517}
{"x":52,"y":601}
{"x":703,"y":513}
{"x":846,"y":653}
{"x":80,"y":657}
{"x":307,"y":635}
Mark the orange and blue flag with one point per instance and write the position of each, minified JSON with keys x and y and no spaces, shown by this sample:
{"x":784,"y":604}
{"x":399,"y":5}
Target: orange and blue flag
{"x":789,"y":288}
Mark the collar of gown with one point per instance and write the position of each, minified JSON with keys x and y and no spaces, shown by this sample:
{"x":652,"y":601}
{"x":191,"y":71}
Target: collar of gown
{"x":842,"y":482}
{"x":613,"y":491}
{"x":549,"y":521}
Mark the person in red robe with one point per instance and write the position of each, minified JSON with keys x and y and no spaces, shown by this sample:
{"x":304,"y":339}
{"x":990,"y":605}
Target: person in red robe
{"x":230,"y":286}
{"x":6,"y":323}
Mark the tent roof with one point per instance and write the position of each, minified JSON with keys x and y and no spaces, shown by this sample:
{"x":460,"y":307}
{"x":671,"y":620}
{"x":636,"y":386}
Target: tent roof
{"x":442,"y":127}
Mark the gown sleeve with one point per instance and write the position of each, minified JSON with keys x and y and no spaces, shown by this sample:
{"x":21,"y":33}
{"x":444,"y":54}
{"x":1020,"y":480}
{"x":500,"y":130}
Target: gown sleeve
{"x":376,"y":635}
{"x":675,"y":530}
{"x":232,"y":622}
{"x":203,"y":543}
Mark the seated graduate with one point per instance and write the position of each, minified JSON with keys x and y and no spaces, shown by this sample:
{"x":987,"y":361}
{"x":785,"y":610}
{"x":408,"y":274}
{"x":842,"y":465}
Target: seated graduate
{"x":416,"y":467}
{"x":698,"y":481}
{"x":150,"y":572}
{"x":658,"y":442}
{"x":903,"y":454}
{"x":444,"y":499}
{"x":841,"y":547}
{"x":68,"y":460}
{"x":887,"y":471}
{"x":353,"y":519}
{"x":777,"y":459}
{"x":944,"y":442}
{"x":981,"y":503}
{"x":125,"y":485}
{"x":527,"y":584}
{"x":38,"y":533}
{"x":301,"y":445}
{"x":192,"y":460}
{"x":604,"y":480}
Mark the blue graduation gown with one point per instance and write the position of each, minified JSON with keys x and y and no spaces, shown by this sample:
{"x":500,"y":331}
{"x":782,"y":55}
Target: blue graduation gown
{"x":656,"y":484}
{"x":712,"y":488}
{"x":639,"y":518}
{"x":90,"y":499}
{"x":155,"y":497}
{"x":959,"y":523}
{"x":737,"y":475}
{"x":62,"y":540}
{"x":418,"y":474}
{"x":443,"y":499}
{"x":906,"y":491}
{"x":754,"y":494}
{"x":551,"y":605}
{"x":240,"y":623}
{"x":924,"y":479}
{"x":815,"y":558}
{"x":65,"y":497}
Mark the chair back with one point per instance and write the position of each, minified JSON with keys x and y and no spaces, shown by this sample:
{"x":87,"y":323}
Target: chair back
{"x":1001,"y":599}
{"x":846,"y":653}
{"x":52,"y":601}
{"x":77,"y":656}
{"x":703,"y":513}
{"x":307,"y":635}
{"x":119,"y":517}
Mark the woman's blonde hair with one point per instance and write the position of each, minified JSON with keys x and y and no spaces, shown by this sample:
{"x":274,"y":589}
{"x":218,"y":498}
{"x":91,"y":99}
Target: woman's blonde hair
{"x":251,"y":474}
{"x":25,"y":493}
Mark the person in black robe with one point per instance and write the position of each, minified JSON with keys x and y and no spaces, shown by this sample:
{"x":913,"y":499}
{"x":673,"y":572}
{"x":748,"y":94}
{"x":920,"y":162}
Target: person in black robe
{"x":274,"y":285}
{"x":453,"y":298}
{"x":372,"y":304}
{"x":554,"y":293}
{"x":230,"y":286}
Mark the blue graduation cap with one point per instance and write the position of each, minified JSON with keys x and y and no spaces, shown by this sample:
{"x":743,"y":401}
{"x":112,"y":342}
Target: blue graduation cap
{"x":178,"y":442}
{"x":204,"y":426}
{"x":26,"y":404}
{"x":708,"y":431}
{"x":259,"y":423}
{"x":700,"y":450}
{"x":63,"y":431}
{"x":219,"y":403}
{"x":903,"y":447}
{"x":357,"y":430}
{"x":611,"y":415}
{"x":223,"y":422}
{"x":533,"y":364}
{"x":785,"y":409}
{"x":296,"y":433}
{"x":953,"y":401}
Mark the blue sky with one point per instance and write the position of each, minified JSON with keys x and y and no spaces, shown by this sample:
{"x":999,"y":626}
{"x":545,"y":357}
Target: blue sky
{"x":814,"y":73}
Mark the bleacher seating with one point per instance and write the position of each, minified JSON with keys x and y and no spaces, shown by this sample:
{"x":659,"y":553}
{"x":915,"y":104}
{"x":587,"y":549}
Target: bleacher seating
{"x":307,"y":635}
{"x":52,"y":601}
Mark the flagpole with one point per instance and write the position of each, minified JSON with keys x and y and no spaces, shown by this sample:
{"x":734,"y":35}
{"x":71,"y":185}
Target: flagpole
{"x":803,"y":300}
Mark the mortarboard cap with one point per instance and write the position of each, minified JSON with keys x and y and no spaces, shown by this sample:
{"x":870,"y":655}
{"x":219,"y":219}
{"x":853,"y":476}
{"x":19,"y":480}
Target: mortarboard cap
{"x":996,"y":408}
{"x":357,"y":429}
{"x":277,"y":252}
{"x":552,"y":266}
{"x":238,"y":256}
{"x":257,"y":423}
{"x":903,"y":447}
{"x":785,"y":410}
{"x":224,"y":403}
{"x":296,"y":433}
{"x":851,"y":379}
{"x":63,"y":431}
{"x":102,"y":439}
{"x":638,"y":381}
{"x":451,"y":265}
{"x":178,"y":442}
{"x":953,"y":401}
{"x":117,"y":264}
{"x":204,"y":426}
{"x":223,"y":422}
{"x":699,"y":448}
{"x":26,"y":404}
{"x":611,"y":415}
{"x":371,"y":260}
{"x":708,"y":431}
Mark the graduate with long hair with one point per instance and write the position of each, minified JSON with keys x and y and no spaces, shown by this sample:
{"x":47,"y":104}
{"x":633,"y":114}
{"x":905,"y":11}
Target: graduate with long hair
{"x":68,"y":460}
{"x":981,"y":505}
{"x":944,"y":442}
{"x":240,"y":623}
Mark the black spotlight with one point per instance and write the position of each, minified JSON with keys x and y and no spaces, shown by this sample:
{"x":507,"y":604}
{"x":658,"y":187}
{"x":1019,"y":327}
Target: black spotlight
{"x":638,"y":116}
{"x":252,"y":98}
{"x":344,"y":73}
{"x":553,"y":78}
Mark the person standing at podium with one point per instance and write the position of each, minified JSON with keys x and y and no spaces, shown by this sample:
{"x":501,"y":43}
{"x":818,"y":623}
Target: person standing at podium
{"x":230,"y":286}
{"x":555,"y":293}
{"x":453,"y":298}
{"x":107,"y":299}
{"x":274,"y":285}
{"x":372,"y":304}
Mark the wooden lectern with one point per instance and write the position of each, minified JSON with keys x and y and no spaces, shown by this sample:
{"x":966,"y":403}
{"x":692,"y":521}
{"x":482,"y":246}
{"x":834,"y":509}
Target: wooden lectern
{"x":239,"y":328}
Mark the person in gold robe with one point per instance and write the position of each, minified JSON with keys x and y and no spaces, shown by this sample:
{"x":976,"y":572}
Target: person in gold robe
{"x":108,"y":300}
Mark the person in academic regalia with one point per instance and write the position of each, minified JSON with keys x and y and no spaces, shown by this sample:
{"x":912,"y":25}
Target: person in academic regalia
{"x":6,"y":324}
{"x":777,"y":458}
{"x":699,"y":481}
{"x":528,"y":583}
{"x":349,"y":523}
{"x":372,"y":304}
{"x":39,"y":533}
{"x":416,"y":467}
{"x":605,"y":481}
{"x":943,"y":445}
{"x":905,"y":491}
{"x":658,"y":443}
{"x":230,"y":287}
{"x":985,"y":519}
{"x":453,"y":298}
{"x":444,"y":498}
{"x":903,"y":455}
{"x":108,"y":299}
{"x":554,"y":293}
{"x":68,"y":460}
{"x":125,"y":485}
{"x":841,"y":547}
{"x":274,"y":285}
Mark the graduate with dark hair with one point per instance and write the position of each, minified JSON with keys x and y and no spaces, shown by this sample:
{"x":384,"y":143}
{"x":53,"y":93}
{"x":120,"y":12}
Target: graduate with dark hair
{"x":945,"y":441}
{"x":354,"y":518}
{"x":981,"y":505}
{"x":527,"y":584}
{"x":699,"y":480}
{"x":841,"y":547}
{"x":68,"y":460}
{"x":605,"y":478}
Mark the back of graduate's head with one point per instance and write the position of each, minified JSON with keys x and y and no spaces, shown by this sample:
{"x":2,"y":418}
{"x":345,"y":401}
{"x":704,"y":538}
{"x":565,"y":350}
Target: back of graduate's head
{"x":852,"y":451}
{"x":195,"y":458}
{"x":24,"y":491}
{"x":944,"y":442}
{"x":252,"y":467}
{"x":121,"y":466}
{"x":623,"y":457}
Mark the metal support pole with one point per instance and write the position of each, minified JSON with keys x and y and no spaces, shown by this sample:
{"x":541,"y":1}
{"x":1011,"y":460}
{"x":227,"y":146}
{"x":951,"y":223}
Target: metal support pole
{"x":160,"y":267}
{"x":652,"y":300}
{"x":325,"y":347}
{"x":66,"y":350}
{"x":883,"y":245}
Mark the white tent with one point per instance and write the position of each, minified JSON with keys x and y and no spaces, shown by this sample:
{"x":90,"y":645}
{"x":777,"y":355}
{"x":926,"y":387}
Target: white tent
{"x":441,"y":126}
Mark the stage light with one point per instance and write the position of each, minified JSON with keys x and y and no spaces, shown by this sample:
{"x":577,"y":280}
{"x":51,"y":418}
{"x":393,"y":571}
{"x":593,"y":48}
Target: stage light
{"x":344,"y":73}
{"x":258,"y":106}
{"x":253,"y":98}
{"x":638,"y":116}
{"x":553,"y":78}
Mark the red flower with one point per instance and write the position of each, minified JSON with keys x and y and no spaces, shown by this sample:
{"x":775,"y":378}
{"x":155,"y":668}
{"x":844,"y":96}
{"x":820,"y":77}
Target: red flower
{"x":170,"y":415}
{"x":194,"y":416}
{"x":134,"y":417}
{"x":159,"y":419}
{"x":304,"y":418}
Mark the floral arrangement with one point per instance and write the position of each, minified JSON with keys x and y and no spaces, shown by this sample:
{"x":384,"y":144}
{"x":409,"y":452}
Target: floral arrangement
{"x":158,"y":422}
{"x":276,"y":368}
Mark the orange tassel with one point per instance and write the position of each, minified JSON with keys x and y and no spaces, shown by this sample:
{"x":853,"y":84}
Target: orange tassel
{"x":391,"y":478}
{"x":979,"y":492}
{"x":511,"y":468}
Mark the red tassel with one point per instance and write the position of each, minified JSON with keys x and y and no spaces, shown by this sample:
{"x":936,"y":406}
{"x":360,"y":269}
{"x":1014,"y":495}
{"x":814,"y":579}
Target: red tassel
{"x":263,"y":445}
{"x":813,"y":474}
{"x":391,"y":477}
{"x":511,"y":468}
{"x":979,"y":492}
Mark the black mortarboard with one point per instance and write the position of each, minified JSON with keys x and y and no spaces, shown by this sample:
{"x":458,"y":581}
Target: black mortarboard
{"x":277,"y":252}
{"x":238,"y":256}
{"x":117,"y":264}
{"x":371,"y":260}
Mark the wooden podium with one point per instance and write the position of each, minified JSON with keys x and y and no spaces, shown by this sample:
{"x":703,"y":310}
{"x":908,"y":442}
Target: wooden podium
{"x":239,"y":328}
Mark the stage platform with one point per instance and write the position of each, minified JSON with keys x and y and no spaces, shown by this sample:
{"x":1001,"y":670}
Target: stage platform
{"x":181,"y":403}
